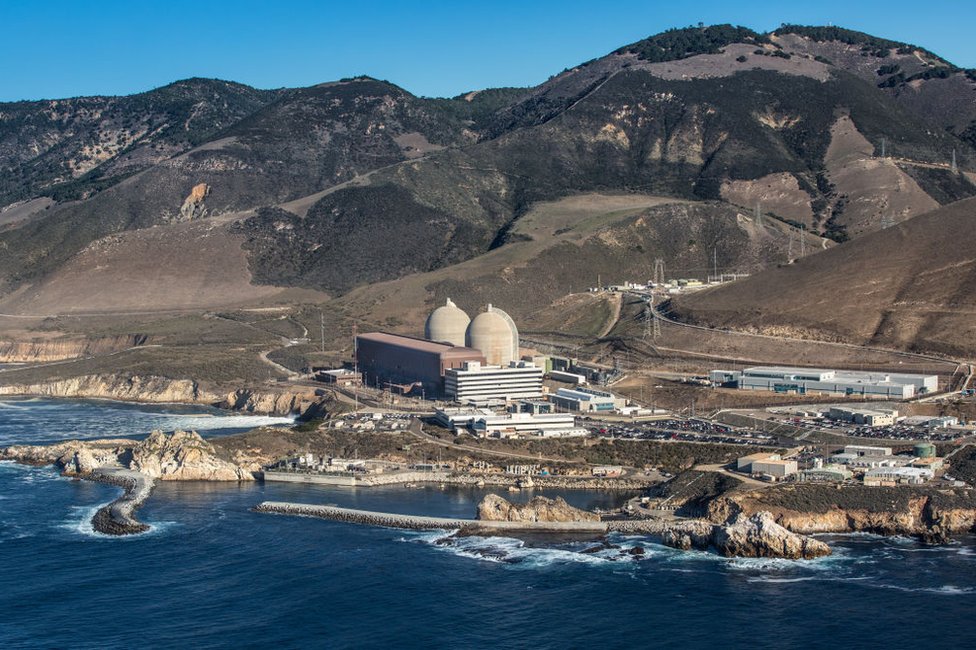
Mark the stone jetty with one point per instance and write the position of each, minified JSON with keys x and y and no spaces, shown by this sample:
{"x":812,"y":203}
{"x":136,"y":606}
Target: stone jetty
{"x":117,"y":517}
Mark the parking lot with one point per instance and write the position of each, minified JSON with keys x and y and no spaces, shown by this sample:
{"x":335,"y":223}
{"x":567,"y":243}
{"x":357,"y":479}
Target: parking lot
{"x":685,"y":430}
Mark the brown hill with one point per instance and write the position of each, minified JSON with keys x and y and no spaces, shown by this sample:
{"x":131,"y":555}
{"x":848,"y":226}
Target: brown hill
{"x":912,"y":286}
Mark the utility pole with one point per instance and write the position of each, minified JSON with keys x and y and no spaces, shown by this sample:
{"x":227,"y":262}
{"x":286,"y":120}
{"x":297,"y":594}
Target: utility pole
{"x":715,"y":261}
{"x":322,"y":329}
{"x":884,"y":146}
{"x":789,"y":254}
{"x":955,"y":167}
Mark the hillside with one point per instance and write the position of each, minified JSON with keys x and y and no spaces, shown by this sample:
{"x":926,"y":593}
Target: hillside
{"x":909,"y":287}
{"x":337,"y":186}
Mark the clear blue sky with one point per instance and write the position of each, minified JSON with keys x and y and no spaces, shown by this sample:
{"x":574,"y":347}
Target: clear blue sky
{"x":62,"y":48}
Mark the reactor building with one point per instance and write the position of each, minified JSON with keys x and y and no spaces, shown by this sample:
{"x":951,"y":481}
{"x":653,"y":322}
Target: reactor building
{"x":482,"y":352}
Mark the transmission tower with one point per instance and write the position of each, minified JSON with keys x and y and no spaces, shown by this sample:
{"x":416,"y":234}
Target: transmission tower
{"x":657,"y":326}
{"x":759,"y":215}
{"x":789,"y":255}
{"x":884,"y":146}
{"x":803,"y":242}
{"x":955,"y":167}
{"x":887,"y":221}
{"x":715,"y":262}
{"x":658,"y":272}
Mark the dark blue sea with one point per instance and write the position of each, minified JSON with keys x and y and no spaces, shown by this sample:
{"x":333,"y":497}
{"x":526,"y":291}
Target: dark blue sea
{"x":213,"y":574}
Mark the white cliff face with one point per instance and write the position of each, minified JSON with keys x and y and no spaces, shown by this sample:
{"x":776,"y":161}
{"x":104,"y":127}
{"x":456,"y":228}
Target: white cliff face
{"x":183,"y":456}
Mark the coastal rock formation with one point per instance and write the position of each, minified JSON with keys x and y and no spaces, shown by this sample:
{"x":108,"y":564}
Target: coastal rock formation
{"x":63,"y":347}
{"x":183,"y":456}
{"x":121,"y":387}
{"x":745,"y":536}
{"x":929,"y":514}
{"x":539,"y":509}
{"x":273,"y":402}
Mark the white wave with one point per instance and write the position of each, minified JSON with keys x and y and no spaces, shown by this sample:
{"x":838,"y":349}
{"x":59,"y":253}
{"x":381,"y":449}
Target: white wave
{"x":944,"y":590}
{"x":515,"y":552}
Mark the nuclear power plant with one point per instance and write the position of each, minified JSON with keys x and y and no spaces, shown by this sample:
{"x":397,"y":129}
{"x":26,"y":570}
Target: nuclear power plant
{"x":459,"y":357}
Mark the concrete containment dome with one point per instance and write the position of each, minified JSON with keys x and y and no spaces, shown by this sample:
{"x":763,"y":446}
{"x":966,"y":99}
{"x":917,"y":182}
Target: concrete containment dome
{"x":493,"y":333}
{"x":447,"y":324}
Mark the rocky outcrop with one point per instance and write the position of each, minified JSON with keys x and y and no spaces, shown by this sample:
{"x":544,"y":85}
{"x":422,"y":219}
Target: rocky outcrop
{"x":539,"y":509}
{"x":757,"y":535}
{"x":183,"y":456}
{"x":305,"y":402}
{"x":121,"y":387}
{"x":193,"y":205}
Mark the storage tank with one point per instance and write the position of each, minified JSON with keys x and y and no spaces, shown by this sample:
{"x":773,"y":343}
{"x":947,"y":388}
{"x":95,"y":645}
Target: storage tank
{"x":925,"y":450}
{"x":493,"y":334}
{"x":447,"y":324}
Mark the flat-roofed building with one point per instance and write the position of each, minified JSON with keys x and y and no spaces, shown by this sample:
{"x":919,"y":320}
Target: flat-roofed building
{"x":339,"y":377}
{"x":744,"y":463}
{"x":585,"y":400}
{"x":892,"y":475}
{"x":865,"y":450}
{"x":778,"y":469}
{"x":870,"y":417}
{"x":476,"y":383}
{"x":392,"y":358}
{"x":512,"y":424}
{"x":785,"y":379}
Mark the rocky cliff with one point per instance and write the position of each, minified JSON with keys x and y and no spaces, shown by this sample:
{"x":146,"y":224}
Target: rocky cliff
{"x":929,"y":514}
{"x":155,"y":389}
{"x":539,"y":509}
{"x":121,"y":387}
{"x":61,"y":348}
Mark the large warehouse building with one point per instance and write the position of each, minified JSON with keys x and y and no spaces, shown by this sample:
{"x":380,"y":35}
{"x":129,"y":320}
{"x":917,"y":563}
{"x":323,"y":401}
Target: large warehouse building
{"x":390,"y":358}
{"x":834,"y":382}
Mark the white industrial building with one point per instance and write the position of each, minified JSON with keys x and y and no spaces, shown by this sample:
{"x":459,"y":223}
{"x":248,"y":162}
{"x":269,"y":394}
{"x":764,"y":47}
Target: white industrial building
{"x":585,"y":400}
{"x":777,"y":469}
{"x":507,"y":425}
{"x":889,"y":475}
{"x":459,"y":418}
{"x":869,"y":417}
{"x":744,"y":463}
{"x":782,"y":379}
{"x":475,"y":383}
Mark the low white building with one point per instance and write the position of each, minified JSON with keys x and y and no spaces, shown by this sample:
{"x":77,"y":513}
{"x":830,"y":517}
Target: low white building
{"x":512,"y":424}
{"x":586,"y":400}
{"x":778,"y":469}
{"x":744,"y":463}
{"x":475,"y":383}
{"x":865,"y":450}
{"x":886,"y":475}
{"x":459,"y":418}
{"x":869,"y":417}
{"x":784,"y":379}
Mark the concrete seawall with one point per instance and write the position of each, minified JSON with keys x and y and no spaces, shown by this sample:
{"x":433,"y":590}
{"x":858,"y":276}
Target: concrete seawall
{"x":463,"y":480}
{"x":414,"y":522}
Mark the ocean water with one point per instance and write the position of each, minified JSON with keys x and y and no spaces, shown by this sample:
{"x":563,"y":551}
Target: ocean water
{"x":211,"y":574}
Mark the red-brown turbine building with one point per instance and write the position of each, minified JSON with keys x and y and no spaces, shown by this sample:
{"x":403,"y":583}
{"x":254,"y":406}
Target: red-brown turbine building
{"x":392,"y":358}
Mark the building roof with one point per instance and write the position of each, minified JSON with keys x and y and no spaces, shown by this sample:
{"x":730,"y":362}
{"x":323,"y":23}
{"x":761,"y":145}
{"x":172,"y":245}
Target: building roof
{"x":415,"y":343}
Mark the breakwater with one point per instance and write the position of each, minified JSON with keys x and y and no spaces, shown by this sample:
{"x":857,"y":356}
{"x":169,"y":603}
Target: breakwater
{"x":117,"y":517}
{"x":415,"y":522}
